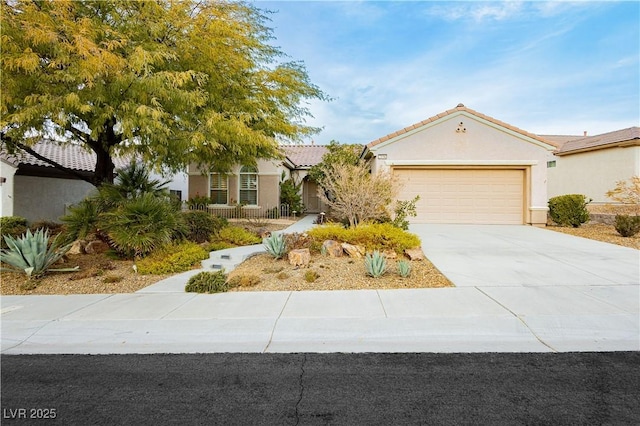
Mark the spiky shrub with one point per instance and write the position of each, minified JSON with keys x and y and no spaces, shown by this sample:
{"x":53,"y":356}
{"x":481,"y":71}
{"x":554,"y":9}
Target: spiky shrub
{"x":275,"y":245}
{"x":81,"y":220}
{"x":626,"y":225}
{"x":404,"y":268}
{"x":311,"y":276}
{"x":13,"y":226}
{"x":207,"y":282}
{"x":32,"y":254}
{"x":375,"y":264}
{"x":139,"y":226}
{"x":569,"y":210}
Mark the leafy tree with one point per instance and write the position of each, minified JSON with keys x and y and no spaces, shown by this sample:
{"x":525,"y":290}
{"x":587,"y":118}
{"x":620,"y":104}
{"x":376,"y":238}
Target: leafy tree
{"x":174,"y":83}
{"x":337,"y":153}
{"x":627,"y":192}
{"x":290,"y":193}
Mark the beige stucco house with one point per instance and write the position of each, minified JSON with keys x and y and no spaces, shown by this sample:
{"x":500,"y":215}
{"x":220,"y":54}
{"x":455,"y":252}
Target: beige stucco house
{"x":468,"y":168}
{"x":591,"y":165}
{"x":258,"y":188}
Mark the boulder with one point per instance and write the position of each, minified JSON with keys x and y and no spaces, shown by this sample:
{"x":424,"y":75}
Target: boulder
{"x":300,"y":257}
{"x":77,"y":247}
{"x":96,"y":247}
{"x":353,"y":251}
{"x":332,"y":248}
{"x":263,"y":233}
{"x":390,"y":254}
{"x":414,"y":254}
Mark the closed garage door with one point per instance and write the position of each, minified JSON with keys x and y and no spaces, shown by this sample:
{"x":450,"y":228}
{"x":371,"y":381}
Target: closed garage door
{"x":465,"y":195}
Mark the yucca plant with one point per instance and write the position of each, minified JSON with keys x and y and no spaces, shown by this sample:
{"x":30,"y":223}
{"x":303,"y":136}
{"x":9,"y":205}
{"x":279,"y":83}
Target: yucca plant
{"x":404,"y":268}
{"x":275,"y":245}
{"x":32,"y":254}
{"x":375,"y":263}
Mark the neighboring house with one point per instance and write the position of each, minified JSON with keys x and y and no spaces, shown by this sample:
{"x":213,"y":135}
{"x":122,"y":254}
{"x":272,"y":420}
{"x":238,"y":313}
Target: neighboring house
{"x":468,"y":168}
{"x":37,"y":191}
{"x":258,"y":188}
{"x":591,"y":165}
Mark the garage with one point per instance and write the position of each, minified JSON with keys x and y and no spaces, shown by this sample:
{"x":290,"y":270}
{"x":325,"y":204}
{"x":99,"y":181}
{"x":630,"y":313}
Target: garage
{"x":480,"y":196}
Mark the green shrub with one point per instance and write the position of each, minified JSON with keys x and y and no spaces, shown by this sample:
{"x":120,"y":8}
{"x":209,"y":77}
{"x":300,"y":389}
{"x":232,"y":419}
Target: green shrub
{"x":207,"y":282}
{"x":13,"y":226}
{"x":237,"y":236}
{"x":377,"y":236}
{"x":217,"y":245}
{"x":569,"y":210}
{"x":404,"y":268}
{"x":32,"y":254}
{"x":275,"y":245}
{"x":403,"y":210}
{"x":311,"y":276}
{"x":375,"y":264}
{"x":81,"y":220}
{"x":626,"y":225}
{"x":201,"y":225}
{"x":172,"y":258}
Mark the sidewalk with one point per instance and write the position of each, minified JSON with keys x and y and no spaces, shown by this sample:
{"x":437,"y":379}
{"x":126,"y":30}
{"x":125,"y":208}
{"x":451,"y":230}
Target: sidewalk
{"x":164,"y":319}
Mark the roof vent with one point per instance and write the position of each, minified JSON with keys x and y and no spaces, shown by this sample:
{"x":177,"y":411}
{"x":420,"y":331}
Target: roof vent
{"x":460,"y":105}
{"x":585,"y":133}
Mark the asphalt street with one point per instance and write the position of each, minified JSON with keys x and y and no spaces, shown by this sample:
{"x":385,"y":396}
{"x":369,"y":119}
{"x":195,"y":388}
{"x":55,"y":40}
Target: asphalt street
{"x":322,"y":389}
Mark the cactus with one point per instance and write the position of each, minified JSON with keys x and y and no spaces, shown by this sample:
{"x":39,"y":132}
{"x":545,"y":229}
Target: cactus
{"x":275,"y":245}
{"x":375,"y":263}
{"x":32,"y":254}
{"x":404,"y":268}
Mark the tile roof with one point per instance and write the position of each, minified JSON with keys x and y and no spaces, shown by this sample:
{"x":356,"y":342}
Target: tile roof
{"x":458,"y":108}
{"x":606,"y":140}
{"x":304,"y":155}
{"x":71,"y":156}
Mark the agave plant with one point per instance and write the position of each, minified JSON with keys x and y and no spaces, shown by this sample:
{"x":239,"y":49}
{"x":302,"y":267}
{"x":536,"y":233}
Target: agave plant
{"x":375,"y":263}
{"x":275,"y":245}
{"x":404,"y":268}
{"x":32,"y":254}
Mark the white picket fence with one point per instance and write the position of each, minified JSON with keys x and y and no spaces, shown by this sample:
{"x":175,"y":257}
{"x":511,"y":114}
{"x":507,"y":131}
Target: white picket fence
{"x":281,"y":211}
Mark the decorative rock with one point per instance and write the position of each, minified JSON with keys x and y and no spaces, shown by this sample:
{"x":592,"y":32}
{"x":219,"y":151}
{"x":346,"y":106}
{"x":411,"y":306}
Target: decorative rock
{"x":332,"y":248}
{"x":390,"y":254}
{"x":77,"y":247}
{"x":264,"y":233}
{"x":353,"y":251}
{"x":300,"y":257}
{"x":96,"y":246}
{"x":415,"y":254}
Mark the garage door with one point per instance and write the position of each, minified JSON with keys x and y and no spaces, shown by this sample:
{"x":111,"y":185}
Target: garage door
{"x":465,"y":196}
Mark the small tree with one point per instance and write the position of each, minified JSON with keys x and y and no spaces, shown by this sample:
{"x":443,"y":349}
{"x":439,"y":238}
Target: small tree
{"x":290,"y":193}
{"x":627,"y":191}
{"x":353,"y":193}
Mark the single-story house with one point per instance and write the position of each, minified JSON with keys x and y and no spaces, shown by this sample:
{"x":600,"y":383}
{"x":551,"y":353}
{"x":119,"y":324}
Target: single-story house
{"x":468,"y":168}
{"x":591,"y":165}
{"x":37,"y":191}
{"x":258,"y":188}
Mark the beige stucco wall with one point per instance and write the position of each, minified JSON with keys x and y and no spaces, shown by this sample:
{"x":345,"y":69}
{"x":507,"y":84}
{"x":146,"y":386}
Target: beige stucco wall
{"x":7,"y":172}
{"x":269,"y":173}
{"x":593,"y":173}
{"x":464,"y":140}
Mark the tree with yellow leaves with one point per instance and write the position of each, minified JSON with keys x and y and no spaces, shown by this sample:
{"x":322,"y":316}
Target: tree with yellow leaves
{"x":172,"y":82}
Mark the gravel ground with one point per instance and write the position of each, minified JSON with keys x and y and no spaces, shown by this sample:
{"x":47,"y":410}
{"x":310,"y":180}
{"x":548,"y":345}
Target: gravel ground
{"x":600,"y":232}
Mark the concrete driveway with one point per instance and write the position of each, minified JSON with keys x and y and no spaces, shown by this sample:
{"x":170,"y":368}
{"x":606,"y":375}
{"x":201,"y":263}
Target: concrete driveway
{"x":510,"y":255}
{"x":571,"y":293}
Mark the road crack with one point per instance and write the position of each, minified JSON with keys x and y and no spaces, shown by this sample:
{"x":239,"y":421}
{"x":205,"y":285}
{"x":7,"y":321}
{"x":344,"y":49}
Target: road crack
{"x":301,"y":386}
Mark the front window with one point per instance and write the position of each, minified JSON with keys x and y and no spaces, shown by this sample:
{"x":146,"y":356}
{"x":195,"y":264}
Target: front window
{"x":249,"y":186}
{"x":218,"y":188}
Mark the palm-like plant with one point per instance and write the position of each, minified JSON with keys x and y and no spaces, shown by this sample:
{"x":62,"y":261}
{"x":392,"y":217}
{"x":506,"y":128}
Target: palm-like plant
{"x":32,"y":254}
{"x":138,"y":226}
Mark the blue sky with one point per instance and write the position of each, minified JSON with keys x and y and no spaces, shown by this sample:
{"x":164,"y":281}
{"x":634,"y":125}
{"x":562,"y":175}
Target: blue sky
{"x":546,"y":67}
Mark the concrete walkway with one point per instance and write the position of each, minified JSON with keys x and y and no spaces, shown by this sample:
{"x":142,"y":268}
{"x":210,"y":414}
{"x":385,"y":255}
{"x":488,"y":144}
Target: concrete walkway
{"x":547,"y":292}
